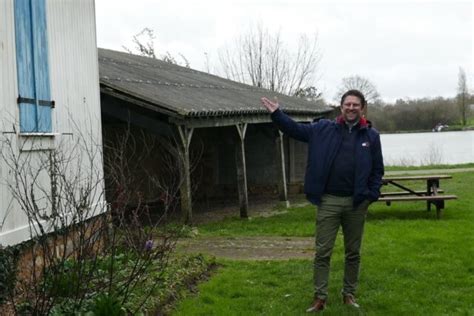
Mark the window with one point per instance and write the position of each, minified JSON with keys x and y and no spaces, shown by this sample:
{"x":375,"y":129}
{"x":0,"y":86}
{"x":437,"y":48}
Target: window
{"x":34,"y":98}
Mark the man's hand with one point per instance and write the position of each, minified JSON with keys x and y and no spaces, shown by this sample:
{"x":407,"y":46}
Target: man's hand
{"x":271,"y":106}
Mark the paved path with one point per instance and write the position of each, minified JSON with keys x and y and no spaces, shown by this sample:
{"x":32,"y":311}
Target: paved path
{"x":251,"y":248}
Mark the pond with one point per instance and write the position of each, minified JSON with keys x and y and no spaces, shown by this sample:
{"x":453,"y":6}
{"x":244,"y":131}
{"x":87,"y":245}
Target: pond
{"x":415,"y":149}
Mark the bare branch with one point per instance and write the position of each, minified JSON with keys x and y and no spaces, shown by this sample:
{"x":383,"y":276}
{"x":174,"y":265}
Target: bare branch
{"x":144,"y":42}
{"x":262,"y":59}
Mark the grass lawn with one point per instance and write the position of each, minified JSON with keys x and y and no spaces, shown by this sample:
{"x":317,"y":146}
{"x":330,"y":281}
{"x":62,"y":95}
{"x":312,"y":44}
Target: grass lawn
{"x":412,"y":264}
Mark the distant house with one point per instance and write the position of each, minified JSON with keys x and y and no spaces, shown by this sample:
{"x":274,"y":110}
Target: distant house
{"x":49,"y":91}
{"x":243,"y":152}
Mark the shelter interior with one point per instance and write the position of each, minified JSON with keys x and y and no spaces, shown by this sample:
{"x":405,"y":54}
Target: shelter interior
{"x":213,"y":152}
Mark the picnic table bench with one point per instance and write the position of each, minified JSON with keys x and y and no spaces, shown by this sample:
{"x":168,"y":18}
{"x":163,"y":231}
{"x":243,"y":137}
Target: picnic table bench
{"x":431,"y":195}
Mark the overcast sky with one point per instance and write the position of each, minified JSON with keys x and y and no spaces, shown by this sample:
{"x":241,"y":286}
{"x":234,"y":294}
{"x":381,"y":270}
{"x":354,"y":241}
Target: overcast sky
{"x":408,"y":49}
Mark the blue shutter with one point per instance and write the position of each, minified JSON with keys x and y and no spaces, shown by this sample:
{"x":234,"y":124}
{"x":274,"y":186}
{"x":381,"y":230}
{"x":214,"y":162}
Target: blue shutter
{"x":33,"y":65}
{"x":40,"y":57}
{"x":25,"y":64}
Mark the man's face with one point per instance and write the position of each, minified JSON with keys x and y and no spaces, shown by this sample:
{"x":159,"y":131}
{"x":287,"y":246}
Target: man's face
{"x":351,"y":109}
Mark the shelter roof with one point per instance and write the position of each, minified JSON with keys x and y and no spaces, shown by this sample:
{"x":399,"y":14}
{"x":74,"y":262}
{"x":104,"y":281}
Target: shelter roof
{"x":186,"y":93}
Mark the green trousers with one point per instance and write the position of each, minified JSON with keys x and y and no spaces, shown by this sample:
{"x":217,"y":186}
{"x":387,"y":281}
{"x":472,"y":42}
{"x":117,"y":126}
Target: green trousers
{"x":335,"y":211}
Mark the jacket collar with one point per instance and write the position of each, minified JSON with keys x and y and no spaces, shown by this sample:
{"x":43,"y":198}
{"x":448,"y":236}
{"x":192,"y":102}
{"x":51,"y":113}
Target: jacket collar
{"x":363,"y":122}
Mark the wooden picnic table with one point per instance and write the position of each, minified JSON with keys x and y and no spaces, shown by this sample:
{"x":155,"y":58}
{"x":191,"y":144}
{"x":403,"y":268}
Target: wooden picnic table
{"x":432,"y":195}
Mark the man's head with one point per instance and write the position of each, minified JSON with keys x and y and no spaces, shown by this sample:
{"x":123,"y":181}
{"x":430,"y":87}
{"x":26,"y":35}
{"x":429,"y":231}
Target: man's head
{"x":352,"y":105}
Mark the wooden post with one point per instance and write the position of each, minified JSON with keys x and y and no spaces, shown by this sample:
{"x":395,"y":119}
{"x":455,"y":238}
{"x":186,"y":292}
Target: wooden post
{"x":428,"y":192}
{"x":242,"y":171}
{"x":185,"y":135}
{"x":432,"y":186}
{"x":439,"y":209}
{"x":282,"y":185}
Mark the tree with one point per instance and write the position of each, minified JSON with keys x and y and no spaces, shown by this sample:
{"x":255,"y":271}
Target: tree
{"x":309,"y":93}
{"x":359,"y":83}
{"x":145,"y":46}
{"x":262,"y":59}
{"x":462,"y":94}
{"x":144,"y":43}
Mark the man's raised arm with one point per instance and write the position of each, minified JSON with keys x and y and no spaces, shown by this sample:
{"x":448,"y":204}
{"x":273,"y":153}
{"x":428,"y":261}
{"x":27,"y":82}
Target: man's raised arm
{"x":284,"y":123}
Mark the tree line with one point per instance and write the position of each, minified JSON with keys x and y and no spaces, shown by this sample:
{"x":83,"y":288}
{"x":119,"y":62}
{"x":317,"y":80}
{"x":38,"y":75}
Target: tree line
{"x":416,"y":114}
{"x":425,"y":113}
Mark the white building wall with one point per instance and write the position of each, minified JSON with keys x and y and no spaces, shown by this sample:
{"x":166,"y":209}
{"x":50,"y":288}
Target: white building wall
{"x":8,"y":85}
{"x":74,"y":64}
{"x":74,"y":80}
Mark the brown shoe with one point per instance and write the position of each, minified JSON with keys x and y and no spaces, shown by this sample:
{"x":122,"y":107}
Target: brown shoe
{"x":317,"y":306}
{"x":350,"y":300}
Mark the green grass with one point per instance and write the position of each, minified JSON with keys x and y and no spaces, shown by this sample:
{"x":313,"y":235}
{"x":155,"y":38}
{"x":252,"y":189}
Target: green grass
{"x":405,"y":286}
{"x":252,"y":288}
{"x":299,"y":221}
{"x":296,"y":222}
{"x":412,"y":264}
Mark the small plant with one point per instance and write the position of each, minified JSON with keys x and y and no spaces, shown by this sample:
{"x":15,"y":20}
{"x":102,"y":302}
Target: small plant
{"x":107,"y":305}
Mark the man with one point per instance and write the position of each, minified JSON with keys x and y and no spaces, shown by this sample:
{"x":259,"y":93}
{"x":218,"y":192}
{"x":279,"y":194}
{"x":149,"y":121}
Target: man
{"x":343,"y":176}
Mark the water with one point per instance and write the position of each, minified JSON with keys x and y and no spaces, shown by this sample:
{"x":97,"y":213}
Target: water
{"x":415,"y":149}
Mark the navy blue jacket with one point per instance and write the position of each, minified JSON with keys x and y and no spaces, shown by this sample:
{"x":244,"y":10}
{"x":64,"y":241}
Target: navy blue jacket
{"x":324,"y":139}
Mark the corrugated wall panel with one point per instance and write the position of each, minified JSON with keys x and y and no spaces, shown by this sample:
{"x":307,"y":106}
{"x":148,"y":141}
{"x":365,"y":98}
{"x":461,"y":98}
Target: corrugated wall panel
{"x":8,"y":85}
{"x":8,"y":106}
{"x":74,"y":66}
